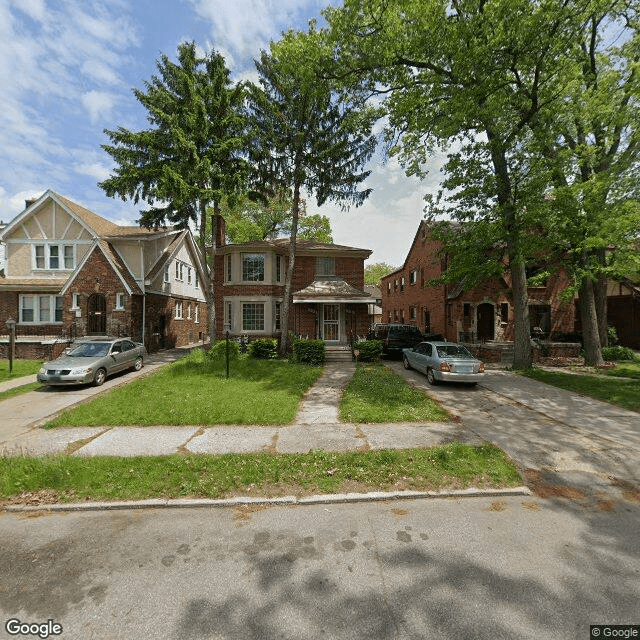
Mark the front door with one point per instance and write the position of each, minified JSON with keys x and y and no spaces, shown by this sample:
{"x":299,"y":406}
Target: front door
{"x":486,"y":321}
{"x":331,"y":322}
{"x":97,"y":314}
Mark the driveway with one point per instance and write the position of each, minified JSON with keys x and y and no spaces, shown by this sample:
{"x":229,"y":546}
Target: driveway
{"x":563,"y":442}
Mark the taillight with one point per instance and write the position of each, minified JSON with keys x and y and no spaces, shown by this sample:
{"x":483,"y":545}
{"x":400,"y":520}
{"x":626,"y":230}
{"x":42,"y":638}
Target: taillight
{"x":481,"y":368}
{"x":444,"y":366}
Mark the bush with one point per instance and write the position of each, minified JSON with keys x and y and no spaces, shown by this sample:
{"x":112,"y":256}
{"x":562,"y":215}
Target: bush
{"x":370,"y":350}
{"x":219,"y":350}
{"x":264,"y":349}
{"x":618,"y":353}
{"x":308,"y":352}
{"x":612,"y":335}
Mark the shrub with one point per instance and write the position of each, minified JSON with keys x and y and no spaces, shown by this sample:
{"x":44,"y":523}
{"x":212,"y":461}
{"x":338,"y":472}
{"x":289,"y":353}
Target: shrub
{"x":612,"y":335}
{"x":618,"y":353}
{"x":308,"y":352}
{"x":264,"y":349}
{"x":219,"y":350}
{"x":370,"y":350}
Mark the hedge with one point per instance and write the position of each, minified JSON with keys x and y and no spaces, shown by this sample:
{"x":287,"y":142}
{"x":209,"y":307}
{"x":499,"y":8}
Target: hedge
{"x":264,"y":349}
{"x":369,"y":350}
{"x":308,"y":352}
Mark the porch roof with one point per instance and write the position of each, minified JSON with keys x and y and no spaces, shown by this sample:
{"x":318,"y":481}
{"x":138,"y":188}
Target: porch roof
{"x":332,"y":290}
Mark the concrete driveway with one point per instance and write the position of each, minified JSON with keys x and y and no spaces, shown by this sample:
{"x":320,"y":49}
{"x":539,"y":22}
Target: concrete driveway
{"x":564,"y":443}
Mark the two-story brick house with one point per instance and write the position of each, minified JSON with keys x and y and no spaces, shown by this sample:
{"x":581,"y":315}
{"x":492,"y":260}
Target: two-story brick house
{"x":328,"y":297}
{"x":70,"y":272}
{"x":482,"y":313}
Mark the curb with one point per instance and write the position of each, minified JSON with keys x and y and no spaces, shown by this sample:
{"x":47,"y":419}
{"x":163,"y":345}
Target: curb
{"x":338,"y":498}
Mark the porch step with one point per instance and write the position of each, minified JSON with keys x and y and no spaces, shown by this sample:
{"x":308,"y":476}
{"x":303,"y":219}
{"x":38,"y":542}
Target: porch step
{"x":338,"y":354}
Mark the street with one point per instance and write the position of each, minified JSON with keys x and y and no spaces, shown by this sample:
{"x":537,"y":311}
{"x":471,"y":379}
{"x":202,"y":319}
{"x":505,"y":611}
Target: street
{"x":480,"y":568}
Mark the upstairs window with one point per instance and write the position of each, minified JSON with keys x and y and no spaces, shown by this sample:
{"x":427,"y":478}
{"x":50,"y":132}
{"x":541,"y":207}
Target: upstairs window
{"x":413,"y":277}
{"x":253,"y":267}
{"x":228,"y":274}
{"x":54,"y":256}
{"x":326,"y":266}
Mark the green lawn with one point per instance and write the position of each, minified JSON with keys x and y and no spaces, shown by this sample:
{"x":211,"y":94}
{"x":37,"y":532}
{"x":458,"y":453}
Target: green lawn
{"x":20,"y":368}
{"x":63,"y":478}
{"x":625,"y":369}
{"x":376,"y":394}
{"x":194,"y":391}
{"x":619,"y":391}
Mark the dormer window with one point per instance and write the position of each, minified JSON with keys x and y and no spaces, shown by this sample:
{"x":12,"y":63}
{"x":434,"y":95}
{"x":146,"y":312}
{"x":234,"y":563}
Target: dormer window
{"x":326,"y":266}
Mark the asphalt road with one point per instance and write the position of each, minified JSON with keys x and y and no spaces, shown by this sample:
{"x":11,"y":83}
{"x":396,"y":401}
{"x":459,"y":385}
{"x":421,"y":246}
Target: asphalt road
{"x":472,"y":569}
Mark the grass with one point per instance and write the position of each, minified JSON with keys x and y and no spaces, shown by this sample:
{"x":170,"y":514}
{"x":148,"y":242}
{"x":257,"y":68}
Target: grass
{"x":63,"y":478}
{"x":376,"y":394}
{"x":625,"y":369}
{"x":16,"y":391}
{"x":194,"y":391}
{"x":618,"y":391}
{"x":20,"y":368}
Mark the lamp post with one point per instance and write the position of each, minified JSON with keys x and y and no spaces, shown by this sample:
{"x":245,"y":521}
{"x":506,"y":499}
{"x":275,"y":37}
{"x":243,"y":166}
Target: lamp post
{"x":11,"y":325}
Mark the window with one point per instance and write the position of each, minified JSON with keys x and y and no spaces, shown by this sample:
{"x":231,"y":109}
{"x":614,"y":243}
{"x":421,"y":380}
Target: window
{"x":228,"y":316}
{"x":326,"y":266}
{"x":276,"y":320}
{"x":177,"y":270}
{"x":40,"y":309}
{"x":166,"y":274}
{"x":395,"y":285}
{"x":228,"y":274}
{"x":188,"y":275}
{"x":413,"y":313}
{"x":75,"y":301}
{"x":253,"y":267}
{"x":196,"y":318}
{"x":402,"y":283}
{"x":389,"y":286}
{"x":413,"y":277}
{"x":253,"y":316}
{"x":49,"y":256}
{"x":504,"y":312}
{"x":278,"y":268}
{"x":196,"y":282}
{"x":181,"y":271}
{"x":466,"y":310}
{"x":189,"y":311}
{"x":119,"y":301}
{"x":178,"y":310}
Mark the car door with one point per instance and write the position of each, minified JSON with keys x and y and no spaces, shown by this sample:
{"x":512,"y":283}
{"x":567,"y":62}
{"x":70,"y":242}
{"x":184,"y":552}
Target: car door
{"x":129,"y":354}
{"x":427,"y":358}
{"x":118,"y":357}
{"x":419,"y":356}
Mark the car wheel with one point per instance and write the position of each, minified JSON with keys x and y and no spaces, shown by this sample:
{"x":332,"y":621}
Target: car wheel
{"x":137,"y":365}
{"x":100,"y":377}
{"x":405,"y":362}
{"x":431,"y":379}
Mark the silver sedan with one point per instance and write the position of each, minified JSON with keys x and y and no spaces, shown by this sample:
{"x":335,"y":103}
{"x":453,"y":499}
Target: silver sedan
{"x":92,"y":360}
{"x":444,"y":361}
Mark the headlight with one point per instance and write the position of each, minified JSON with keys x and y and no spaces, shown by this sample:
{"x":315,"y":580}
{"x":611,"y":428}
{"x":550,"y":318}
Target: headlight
{"x":42,"y":370}
{"x":80,"y":372}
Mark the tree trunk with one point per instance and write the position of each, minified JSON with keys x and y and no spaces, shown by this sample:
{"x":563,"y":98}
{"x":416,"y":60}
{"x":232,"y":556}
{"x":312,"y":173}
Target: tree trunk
{"x":211,"y":298}
{"x":590,"y":335}
{"x":522,"y":341}
{"x":288,"y":283}
{"x":600,"y":295}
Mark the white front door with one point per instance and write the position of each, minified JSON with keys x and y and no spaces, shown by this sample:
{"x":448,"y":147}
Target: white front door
{"x":331,"y":322}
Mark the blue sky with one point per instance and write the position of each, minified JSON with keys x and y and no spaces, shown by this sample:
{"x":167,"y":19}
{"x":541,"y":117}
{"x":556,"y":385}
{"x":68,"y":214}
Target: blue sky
{"x":67,"y":68}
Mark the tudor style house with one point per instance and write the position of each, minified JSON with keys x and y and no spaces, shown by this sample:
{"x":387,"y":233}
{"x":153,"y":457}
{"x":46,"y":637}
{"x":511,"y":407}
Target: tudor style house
{"x":329,"y":301}
{"x":70,"y":272}
{"x":483,"y":313}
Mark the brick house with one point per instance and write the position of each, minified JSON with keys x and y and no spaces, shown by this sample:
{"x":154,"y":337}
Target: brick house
{"x":483,"y":313}
{"x":329,"y":301}
{"x":70,"y":272}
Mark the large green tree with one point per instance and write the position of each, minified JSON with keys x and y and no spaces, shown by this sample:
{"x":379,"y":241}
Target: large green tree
{"x":475,"y":78}
{"x":302,"y":138}
{"x":249,"y":220}
{"x":373,"y":273}
{"x":190,"y":157}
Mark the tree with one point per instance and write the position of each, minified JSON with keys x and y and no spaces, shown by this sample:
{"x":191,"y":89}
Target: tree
{"x":373,"y":273}
{"x":303,"y":138}
{"x":249,"y":220}
{"x":190,"y":156}
{"x":472,"y":78}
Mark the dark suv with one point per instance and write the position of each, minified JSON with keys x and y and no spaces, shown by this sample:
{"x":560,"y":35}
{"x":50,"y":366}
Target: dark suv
{"x":396,"y":337}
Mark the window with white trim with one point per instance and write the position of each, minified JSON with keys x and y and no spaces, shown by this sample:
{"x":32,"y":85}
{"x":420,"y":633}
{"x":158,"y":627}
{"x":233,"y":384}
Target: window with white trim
{"x":166,"y":275}
{"x":177,"y":270}
{"x":196,"y":281}
{"x":196,"y":317}
{"x":326,"y":266}
{"x":278,"y":268}
{"x":75,"y":300}
{"x":188,"y":275}
{"x":253,"y":316}
{"x":413,"y":277}
{"x":35,"y":309}
{"x":54,"y":257}
{"x":119,"y":301}
{"x":178,"y":310}
{"x":228,"y":316}
{"x":189,"y":311}
{"x":253,"y":267}
{"x":228,"y":273}
{"x":276,"y":320}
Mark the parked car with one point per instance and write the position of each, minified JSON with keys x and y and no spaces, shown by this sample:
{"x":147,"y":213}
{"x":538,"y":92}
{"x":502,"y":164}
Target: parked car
{"x":93,"y":360}
{"x":396,"y":337}
{"x":444,"y":361}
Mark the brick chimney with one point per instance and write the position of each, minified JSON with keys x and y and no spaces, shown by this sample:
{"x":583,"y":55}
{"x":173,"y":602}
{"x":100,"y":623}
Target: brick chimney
{"x":29,"y":201}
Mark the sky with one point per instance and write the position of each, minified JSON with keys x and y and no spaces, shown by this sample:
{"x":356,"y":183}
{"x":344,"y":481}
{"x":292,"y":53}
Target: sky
{"x":67,"y":70}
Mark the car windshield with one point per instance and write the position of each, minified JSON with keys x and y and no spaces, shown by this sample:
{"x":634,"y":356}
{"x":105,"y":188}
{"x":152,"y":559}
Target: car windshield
{"x":453,"y":351}
{"x":90,"y":350}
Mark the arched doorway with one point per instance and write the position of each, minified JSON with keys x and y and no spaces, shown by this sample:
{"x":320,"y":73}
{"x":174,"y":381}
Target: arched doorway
{"x":97,"y":314}
{"x":485,"y":321}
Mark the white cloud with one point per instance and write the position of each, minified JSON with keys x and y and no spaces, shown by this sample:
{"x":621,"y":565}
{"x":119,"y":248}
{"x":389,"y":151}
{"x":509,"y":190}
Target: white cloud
{"x":35,"y":9}
{"x":98,"y":104}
